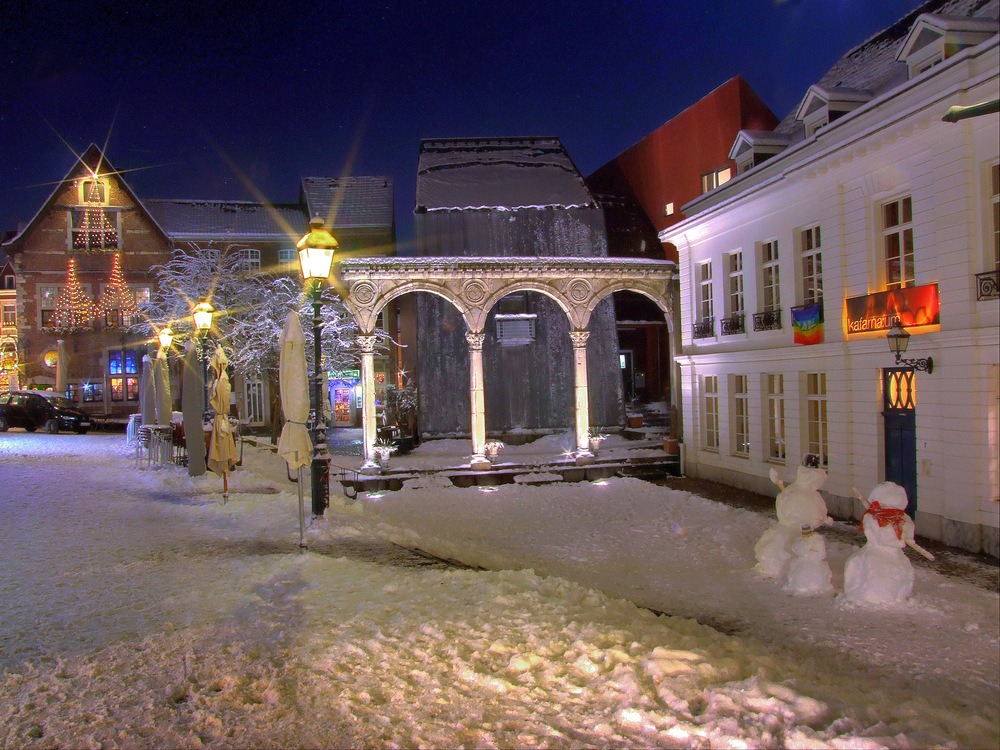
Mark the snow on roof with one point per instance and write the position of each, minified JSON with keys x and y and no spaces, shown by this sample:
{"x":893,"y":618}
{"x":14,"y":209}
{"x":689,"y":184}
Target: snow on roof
{"x":498,"y":173}
{"x":228,"y":220}
{"x":350,"y":202}
{"x":872,"y":65}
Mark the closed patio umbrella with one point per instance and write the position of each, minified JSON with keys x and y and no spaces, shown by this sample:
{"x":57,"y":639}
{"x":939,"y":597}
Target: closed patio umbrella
{"x":147,"y":405}
{"x":193,"y":408}
{"x":222,"y":456}
{"x":294,"y":445}
{"x":161,"y":385}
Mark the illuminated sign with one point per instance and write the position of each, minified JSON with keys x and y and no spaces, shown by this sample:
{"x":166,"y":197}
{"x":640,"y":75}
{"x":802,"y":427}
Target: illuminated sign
{"x":912,"y":306}
{"x":51,"y":358}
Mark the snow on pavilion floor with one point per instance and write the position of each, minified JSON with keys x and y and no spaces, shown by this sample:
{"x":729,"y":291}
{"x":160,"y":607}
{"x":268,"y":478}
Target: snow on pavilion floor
{"x":141,"y":611}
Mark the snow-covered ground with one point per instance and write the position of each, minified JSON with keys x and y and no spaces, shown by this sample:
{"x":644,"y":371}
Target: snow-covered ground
{"x":141,"y":611}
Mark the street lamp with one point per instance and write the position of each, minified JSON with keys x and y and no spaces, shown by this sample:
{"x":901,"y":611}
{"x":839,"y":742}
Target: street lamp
{"x":899,"y":339}
{"x":202,"y":315}
{"x":316,"y":259}
{"x":166,"y":337}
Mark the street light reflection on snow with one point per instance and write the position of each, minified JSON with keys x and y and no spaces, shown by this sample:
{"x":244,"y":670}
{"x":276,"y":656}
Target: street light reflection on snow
{"x":489,"y":489}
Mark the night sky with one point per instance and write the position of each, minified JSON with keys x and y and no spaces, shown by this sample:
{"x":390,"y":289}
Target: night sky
{"x":198,"y":100}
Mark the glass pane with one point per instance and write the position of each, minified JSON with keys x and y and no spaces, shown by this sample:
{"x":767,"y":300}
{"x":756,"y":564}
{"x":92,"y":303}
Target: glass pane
{"x":890,"y":214}
{"x":907,"y":210}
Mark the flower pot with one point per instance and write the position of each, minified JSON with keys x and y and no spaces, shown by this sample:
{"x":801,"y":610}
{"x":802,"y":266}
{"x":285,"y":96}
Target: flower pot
{"x":595,"y":443}
{"x":635,"y":421}
{"x":671,"y":446}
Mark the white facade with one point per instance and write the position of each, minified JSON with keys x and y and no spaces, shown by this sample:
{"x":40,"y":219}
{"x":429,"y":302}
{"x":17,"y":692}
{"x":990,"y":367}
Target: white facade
{"x":891,"y":148}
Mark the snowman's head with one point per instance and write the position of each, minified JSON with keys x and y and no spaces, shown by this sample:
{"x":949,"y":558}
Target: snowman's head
{"x":809,"y":478}
{"x":889,"y":495}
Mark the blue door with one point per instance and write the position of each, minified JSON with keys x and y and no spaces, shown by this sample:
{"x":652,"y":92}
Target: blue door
{"x":900,"y":421}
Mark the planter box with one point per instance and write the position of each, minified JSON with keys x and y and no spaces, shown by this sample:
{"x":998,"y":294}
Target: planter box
{"x":635,"y":421}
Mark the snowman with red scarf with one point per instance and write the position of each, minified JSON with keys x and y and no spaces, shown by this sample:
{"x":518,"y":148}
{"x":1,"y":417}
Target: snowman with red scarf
{"x":879,"y":572}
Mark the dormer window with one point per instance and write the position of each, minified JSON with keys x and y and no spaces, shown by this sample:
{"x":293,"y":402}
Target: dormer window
{"x":753,"y":147}
{"x":94,"y":192}
{"x":823,"y":105}
{"x":933,"y":39}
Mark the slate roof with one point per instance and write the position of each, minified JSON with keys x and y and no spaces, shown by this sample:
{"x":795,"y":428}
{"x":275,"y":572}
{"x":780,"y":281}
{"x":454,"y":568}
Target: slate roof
{"x":872,"y":65}
{"x":497,"y":173}
{"x":350,"y":202}
{"x":231,"y":221}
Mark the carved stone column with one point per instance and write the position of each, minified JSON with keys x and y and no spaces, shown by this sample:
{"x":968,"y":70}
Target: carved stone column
{"x":582,"y":410}
{"x":479,"y":461}
{"x":368,"y":431}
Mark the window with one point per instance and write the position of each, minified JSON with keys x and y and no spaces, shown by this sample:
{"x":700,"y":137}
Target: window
{"x":775,"y":388}
{"x":7,"y":282}
{"x":123,"y":367}
{"x":48,"y":296}
{"x":249,"y":259}
{"x":816,"y":423}
{"x":812,"y":266}
{"x":706,"y":308}
{"x":93,"y":227}
{"x":9,"y":315}
{"x":712,"y":180}
{"x":515,"y":330}
{"x":769,"y":275}
{"x":94,"y":192}
{"x":735,"y":262}
{"x":741,"y":415}
{"x":897,"y":242}
{"x":288,"y":260}
{"x":93,"y":392}
{"x":668,"y":209}
{"x":711,"y":390}
{"x":995,"y":198}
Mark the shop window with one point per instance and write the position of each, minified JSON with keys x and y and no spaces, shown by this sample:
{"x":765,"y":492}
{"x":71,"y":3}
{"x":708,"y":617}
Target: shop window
{"x":123,"y":371}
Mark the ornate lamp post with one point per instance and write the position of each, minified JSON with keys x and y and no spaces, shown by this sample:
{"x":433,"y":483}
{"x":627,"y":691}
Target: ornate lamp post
{"x":316,"y":259}
{"x":202,"y":315}
{"x":899,"y":339}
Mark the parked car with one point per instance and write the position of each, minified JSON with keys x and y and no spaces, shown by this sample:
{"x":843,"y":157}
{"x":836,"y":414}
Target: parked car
{"x":41,"y":409}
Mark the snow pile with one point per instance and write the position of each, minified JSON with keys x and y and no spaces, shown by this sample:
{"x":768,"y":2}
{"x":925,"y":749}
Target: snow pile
{"x":141,"y":611}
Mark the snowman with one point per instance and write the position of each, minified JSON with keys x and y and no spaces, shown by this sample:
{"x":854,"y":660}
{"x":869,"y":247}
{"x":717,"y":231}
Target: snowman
{"x":879,"y":572}
{"x":808,"y":571}
{"x":797,"y":505}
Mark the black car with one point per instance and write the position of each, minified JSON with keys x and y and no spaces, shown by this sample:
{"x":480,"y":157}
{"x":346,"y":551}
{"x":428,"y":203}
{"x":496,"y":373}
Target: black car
{"x":34,"y":409}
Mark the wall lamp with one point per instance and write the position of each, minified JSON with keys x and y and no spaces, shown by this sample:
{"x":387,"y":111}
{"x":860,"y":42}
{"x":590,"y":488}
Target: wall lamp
{"x":899,"y":339}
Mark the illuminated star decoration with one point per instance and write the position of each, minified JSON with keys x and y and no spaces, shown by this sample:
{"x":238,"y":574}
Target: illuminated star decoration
{"x":74,"y":309}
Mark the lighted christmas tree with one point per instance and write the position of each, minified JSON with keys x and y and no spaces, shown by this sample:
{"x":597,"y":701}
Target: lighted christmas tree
{"x":75,"y":310}
{"x":95,"y":230}
{"x":117,"y":297}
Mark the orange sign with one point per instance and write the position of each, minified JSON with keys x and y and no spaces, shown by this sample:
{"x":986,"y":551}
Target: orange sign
{"x":911,"y":306}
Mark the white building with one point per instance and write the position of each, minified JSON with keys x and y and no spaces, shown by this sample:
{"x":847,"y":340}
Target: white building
{"x":862,"y":207}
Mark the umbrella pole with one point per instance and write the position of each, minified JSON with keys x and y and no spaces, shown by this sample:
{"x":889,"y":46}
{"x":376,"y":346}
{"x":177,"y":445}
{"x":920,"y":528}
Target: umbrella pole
{"x":302,"y":513}
{"x":225,"y":488}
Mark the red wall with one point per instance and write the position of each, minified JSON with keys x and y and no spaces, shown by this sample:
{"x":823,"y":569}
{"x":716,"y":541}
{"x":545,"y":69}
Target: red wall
{"x":667,"y":164}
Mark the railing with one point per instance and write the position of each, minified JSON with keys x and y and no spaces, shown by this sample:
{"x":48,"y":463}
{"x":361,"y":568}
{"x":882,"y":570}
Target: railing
{"x":769,"y":320}
{"x":988,"y":285}
{"x":733,"y":324}
{"x":704,"y":328}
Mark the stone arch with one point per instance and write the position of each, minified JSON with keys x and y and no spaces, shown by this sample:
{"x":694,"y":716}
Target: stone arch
{"x":366,"y":314}
{"x":528,"y":285}
{"x":647,"y":290}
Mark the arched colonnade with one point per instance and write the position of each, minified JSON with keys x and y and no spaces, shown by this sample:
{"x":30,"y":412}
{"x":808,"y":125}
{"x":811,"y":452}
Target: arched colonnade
{"x":474,"y":286}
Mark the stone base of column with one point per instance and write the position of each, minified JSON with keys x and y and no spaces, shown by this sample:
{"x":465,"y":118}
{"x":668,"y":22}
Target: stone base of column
{"x":370,"y":467}
{"x":480,"y":463}
{"x":585,"y":458}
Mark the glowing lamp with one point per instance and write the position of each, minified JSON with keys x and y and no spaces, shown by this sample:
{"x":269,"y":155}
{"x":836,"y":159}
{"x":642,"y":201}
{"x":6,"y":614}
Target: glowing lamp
{"x":899,"y":339}
{"x":166,"y":337}
{"x":316,"y":251}
{"x":202,"y":315}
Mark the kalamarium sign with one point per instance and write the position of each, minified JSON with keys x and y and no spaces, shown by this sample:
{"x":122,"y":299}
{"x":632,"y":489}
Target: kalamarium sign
{"x":911,"y":306}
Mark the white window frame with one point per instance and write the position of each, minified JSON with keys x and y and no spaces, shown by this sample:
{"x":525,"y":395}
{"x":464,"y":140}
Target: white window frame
{"x":249,"y":259}
{"x":774,"y":388}
{"x":715,"y":178}
{"x":897,"y":242}
{"x":993,"y":181}
{"x":706,"y":302}
{"x":811,"y":263}
{"x":770,"y":276}
{"x":9,"y":309}
{"x":48,"y":299}
{"x":735,"y":299}
{"x":739,"y":393}
{"x":817,"y":425}
{"x":288,"y":260}
{"x":710,"y":410}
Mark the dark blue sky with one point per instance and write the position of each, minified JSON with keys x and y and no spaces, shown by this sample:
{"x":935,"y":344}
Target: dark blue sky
{"x":189,"y":94}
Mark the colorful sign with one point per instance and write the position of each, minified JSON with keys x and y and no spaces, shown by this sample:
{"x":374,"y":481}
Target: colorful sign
{"x":911,"y":306}
{"x":807,"y":324}
{"x":51,"y":358}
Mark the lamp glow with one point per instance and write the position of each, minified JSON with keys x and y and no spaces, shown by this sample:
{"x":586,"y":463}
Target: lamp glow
{"x":316,"y":251}
{"x":202,"y":315}
{"x":166,"y":337}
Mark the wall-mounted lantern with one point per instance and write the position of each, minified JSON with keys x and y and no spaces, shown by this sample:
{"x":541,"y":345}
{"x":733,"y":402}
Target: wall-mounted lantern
{"x":899,"y":339}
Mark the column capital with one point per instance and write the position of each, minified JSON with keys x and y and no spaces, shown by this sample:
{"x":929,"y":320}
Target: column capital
{"x":579,"y":338}
{"x":475,"y":340}
{"x":367,"y":343}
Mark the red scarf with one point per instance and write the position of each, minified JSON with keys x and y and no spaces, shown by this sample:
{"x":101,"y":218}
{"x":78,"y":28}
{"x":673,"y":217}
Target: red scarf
{"x":886,"y":516}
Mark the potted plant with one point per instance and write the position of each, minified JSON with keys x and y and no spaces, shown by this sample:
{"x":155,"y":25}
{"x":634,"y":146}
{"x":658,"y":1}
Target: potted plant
{"x":671,"y":443}
{"x":383,"y":449}
{"x":594,"y":437}
{"x":493,"y":448}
